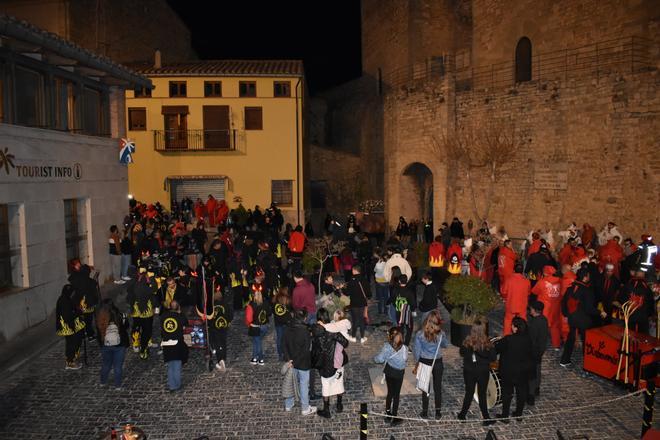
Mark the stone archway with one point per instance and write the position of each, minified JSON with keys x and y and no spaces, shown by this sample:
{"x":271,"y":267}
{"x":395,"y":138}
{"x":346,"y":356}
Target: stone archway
{"x":416,"y":192}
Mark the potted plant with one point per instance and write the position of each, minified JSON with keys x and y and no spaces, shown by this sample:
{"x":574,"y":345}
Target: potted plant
{"x":470,"y":299}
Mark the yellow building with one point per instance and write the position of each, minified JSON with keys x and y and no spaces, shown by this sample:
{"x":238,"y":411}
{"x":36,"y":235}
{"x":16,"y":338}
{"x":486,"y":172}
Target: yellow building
{"x":228,"y":128}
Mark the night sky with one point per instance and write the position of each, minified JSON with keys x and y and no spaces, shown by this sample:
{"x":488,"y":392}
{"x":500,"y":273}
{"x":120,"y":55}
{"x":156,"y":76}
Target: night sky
{"x":325,"y":34}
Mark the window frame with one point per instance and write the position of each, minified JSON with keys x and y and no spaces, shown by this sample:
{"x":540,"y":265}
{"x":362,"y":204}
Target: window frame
{"x":72,"y":239}
{"x":287,"y":87}
{"x":247,"y":84}
{"x":261,"y":118}
{"x":213,"y":85}
{"x":178,"y":85}
{"x":130,"y":111}
{"x":40,"y":98}
{"x":276,"y":194}
{"x":142,"y":92}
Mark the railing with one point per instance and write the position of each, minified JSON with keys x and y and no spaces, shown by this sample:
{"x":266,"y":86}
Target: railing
{"x":627,"y":54}
{"x":197,"y":140}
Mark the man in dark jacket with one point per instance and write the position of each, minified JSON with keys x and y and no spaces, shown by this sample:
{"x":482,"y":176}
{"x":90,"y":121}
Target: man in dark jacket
{"x":539,"y":334}
{"x":86,"y":293}
{"x":516,"y":363}
{"x":175,"y":350}
{"x":297,"y":344}
{"x":578,"y":306}
{"x":430,"y":297}
{"x":357,"y":289}
{"x":537,"y":261}
{"x":638,"y":291}
{"x":69,"y":324}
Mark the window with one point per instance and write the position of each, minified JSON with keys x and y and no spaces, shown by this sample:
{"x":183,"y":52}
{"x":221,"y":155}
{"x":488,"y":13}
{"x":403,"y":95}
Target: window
{"x":253,"y":118}
{"x":137,"y":118}
{"x":178,"y":89}
{"x":524,"y":60}
{"x":142,"y":92}
{"x":71,"y":229}
{"x":92,"y":116}
{"x":29,"y":106}
{"x":247,"y":89}
{"x":281,"y":192}
{"x":212,"y":89}
{"x":5,"y":250}
{"x":65,"y":104}
{"x":282,"y":89}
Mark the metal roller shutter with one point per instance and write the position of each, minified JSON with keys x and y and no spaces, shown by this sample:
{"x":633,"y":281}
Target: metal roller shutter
{"x":194,"y":188}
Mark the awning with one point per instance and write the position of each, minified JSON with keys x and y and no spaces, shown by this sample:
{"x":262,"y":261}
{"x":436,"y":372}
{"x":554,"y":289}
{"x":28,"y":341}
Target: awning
{"x":198,"y":177}
{"x":174,"y":109}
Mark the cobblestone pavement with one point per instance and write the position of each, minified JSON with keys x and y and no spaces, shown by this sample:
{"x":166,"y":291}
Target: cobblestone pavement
{"x":43,"y":401}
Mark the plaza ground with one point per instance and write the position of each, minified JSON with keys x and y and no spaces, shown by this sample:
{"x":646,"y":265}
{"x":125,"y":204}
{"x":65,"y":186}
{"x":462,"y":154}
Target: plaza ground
{"x":40,"y":400}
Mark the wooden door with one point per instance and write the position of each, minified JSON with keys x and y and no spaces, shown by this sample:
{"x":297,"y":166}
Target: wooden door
{"x":216,"y":127}
{"x":176,"y":133}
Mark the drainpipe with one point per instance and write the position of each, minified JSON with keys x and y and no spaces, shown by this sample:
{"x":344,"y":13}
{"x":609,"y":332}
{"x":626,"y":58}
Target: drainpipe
{"x":297,"y":155}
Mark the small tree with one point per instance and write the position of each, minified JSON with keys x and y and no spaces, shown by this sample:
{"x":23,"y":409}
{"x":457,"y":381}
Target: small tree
{"x":491,"y":146}
{"x":317,"y":252}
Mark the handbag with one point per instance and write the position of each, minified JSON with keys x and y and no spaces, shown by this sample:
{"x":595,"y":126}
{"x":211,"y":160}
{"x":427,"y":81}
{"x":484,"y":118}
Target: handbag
{"x":424,"y":371}
{"x":366,"y":308}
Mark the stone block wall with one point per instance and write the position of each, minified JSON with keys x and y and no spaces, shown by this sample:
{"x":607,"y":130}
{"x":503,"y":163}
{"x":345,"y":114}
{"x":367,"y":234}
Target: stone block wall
{"x":606,"y":132}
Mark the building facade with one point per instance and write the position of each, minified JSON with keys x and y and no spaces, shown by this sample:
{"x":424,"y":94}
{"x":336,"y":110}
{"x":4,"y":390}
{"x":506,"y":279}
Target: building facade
{"x":529,"y":113}
{"x":233,"y":129}
{"x":61,"y":183}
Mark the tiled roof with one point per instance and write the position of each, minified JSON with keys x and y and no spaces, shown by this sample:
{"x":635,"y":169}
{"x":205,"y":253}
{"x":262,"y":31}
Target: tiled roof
{"x":225,"y":68}
{"x":22,"y":30}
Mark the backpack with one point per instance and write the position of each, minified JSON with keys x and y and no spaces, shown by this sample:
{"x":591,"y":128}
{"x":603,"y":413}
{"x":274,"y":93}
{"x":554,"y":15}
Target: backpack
{"x":112,"y":338}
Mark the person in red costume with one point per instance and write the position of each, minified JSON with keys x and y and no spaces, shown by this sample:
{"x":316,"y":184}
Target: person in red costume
{"x":211,"y":206}
{"x":548,"y":291}
{"x":506,"y":261}
{"x":516,"y":293}
{"x":565,"y":256}
{"x":200,"y":209}
{"x":454,"y":257}
{"x":567,"y":278}
{"x":222,"y":213}
{"x":535,"y":245}
{"x":611,"y":253}
{"x":579,"y":255}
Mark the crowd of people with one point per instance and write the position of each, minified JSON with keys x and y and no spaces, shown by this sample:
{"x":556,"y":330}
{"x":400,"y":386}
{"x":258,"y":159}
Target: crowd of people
{"x":203,"y":263}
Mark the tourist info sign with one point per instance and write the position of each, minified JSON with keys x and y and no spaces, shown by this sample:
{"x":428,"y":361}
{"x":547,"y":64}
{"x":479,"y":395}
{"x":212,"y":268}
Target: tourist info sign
{"x":552,"y":176}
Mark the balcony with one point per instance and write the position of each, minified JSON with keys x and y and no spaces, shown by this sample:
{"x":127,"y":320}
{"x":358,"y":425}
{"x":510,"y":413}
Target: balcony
{"x":198,"y":140}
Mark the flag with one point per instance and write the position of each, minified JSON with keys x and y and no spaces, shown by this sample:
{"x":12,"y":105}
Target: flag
{"x":126,"y":150}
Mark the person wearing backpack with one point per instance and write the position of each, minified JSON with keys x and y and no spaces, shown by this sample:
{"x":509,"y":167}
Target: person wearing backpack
{"x":112,"y":335}
{"x":578,"y":306}
{"x":405,"y":303}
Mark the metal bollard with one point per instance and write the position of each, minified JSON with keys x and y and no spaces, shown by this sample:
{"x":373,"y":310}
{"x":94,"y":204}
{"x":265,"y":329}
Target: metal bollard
{"x":363,"y":421}
{"x":649,"y":400}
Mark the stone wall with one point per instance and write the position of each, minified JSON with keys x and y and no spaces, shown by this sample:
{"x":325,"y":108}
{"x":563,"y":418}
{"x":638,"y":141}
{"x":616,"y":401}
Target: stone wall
{"x":554,"y":25}
{"x":606,"y":132}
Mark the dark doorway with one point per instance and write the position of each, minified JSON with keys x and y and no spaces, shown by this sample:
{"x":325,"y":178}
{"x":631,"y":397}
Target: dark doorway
{"x":524,"y":60}
{"x":417,"y":192}
{"x":318,"y":193}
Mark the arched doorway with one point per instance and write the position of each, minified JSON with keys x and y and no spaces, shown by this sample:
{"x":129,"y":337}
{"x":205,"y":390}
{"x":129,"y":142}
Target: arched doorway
{"x":416,"y":192}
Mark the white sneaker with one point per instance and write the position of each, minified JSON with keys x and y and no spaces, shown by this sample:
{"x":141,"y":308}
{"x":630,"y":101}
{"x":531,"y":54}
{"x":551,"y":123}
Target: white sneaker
{"x":126,"y":278}
{"x":363,"y":340}
{"x":311,"y":410}
{"x":351,"y":339}
{"x":119,"y":281}
{"x":220,"y":366}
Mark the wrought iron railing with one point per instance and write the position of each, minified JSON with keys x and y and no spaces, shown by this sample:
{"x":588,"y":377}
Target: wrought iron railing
{"x":626,"y":54}
{"x":197,"y":140}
